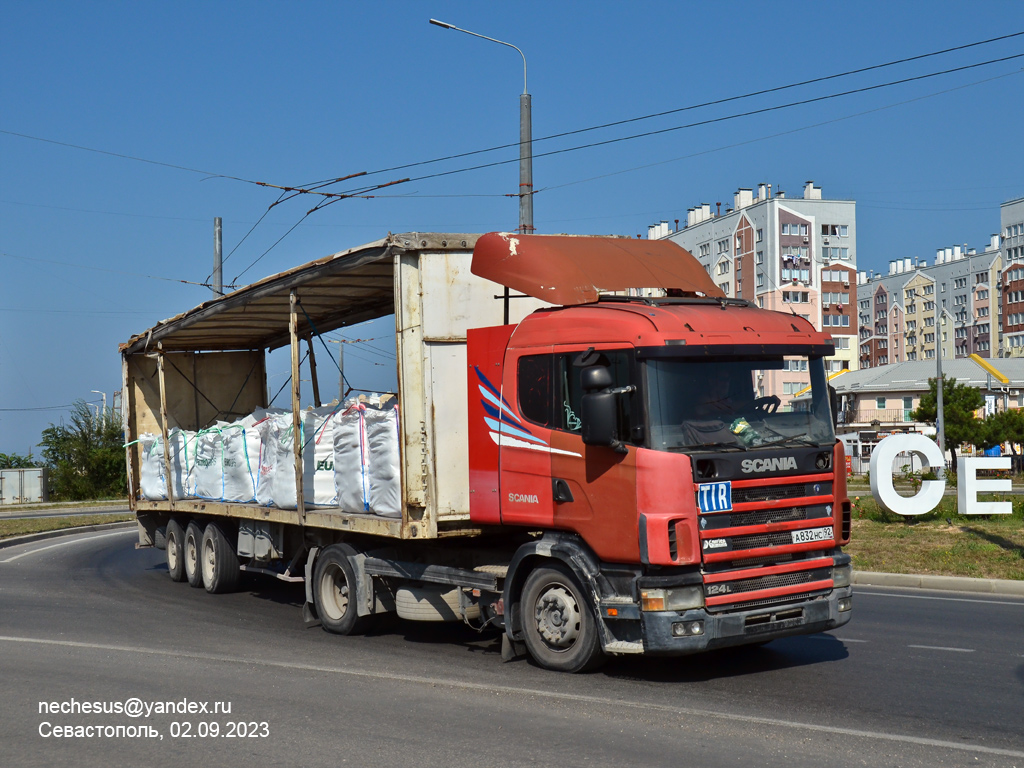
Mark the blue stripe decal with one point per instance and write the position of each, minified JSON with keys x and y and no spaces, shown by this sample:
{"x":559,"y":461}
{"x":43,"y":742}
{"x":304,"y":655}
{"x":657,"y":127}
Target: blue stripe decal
{"x":504,"y":417}
{"x":494,"y":390}
{"x":505,"y":429}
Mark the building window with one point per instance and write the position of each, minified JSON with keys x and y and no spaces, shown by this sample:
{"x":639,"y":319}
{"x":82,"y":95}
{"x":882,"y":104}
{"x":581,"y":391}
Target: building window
{"x":759,"y":235}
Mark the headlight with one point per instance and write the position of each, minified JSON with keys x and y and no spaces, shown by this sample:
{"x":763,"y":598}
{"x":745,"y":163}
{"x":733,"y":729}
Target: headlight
{"x":675,"y":599}
{"x":842,"y":576}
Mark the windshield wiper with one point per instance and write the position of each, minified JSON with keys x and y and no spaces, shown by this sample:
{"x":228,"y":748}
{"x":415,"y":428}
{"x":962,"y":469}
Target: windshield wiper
{"x":700,"y":446}
{"x":790,"y":439}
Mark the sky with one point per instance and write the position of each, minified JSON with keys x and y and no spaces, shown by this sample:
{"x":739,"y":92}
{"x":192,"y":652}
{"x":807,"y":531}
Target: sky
{"x":125,"y":128}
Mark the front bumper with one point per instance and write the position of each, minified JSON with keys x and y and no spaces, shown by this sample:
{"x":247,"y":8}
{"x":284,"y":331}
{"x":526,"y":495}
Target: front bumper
{"x":758,"y":625}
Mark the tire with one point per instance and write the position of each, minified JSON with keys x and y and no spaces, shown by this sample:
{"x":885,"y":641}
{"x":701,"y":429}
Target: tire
{"x":431,"y":604}
{"x":559,"y":627}
{"x":334,"y":593}
{"x":219,"y":563}
{"x":192,"y":547}
{"x":175,"y":538}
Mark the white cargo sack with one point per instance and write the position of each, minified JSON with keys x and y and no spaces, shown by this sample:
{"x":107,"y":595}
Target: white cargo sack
{"x":317,"y":459}
{"x":207,"y":469}
{"x":384,"y":470}
{"x":152,"y":475}
{"x":268,"y":431}
{"x":351,"y":460}
{"x":239,"y":478}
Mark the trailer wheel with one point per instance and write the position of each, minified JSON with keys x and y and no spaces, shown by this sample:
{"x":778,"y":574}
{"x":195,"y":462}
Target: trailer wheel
{"x":191,"y":550}
{"x":175,"y":538}
{"x":219,"y":561}
{"x":559,"y":627}
{"x":334,"y":590}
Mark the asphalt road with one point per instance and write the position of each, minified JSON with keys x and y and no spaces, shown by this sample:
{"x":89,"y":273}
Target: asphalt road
{"x":916,"y":679}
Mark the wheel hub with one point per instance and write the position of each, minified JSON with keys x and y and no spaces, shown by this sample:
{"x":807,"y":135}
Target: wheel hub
{"x":558,"y":617}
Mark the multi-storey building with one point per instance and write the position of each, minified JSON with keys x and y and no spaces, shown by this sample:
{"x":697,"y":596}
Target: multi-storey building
{"x":898,"y":324}
{"x":795,"y":255}
{"x":1010,"y":294}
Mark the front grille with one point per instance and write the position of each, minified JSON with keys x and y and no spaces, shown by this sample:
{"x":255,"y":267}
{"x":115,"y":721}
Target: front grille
{"x":762,"y":517}
{"x":746,"y":606}
{"x":779,"y":492}
{"x":759,"y":540}
{"x":774,"y":580}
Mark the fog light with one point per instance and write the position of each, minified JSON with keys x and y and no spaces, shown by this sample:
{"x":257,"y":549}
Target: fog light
{"x":687,"y":628}
{"x":842,"y":576}
{"x":844,"y":604}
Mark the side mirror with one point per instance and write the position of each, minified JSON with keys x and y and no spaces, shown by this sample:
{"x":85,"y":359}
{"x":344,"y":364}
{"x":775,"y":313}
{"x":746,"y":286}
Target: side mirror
{"x":599,"y":417}
{"x":595,"y":377}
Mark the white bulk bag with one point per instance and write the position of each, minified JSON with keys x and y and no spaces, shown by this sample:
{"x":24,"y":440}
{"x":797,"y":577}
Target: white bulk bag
{"x":208,"y":468}
{"x":152,"y":477}
{"x":239,"y":478}
{"x":268,"y":431}
{"x":152,"y":481}
{"x":384,"y":470}
{"x":351,"y":477}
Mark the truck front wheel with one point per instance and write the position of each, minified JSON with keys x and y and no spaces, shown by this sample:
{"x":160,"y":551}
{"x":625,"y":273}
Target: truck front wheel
{"x":559,"y":627}
{"x":334,"y":589}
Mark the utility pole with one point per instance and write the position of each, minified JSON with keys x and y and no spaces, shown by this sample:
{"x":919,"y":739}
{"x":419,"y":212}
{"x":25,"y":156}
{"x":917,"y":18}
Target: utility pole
{"x":940,"y":423}
{"x":218,"y":272}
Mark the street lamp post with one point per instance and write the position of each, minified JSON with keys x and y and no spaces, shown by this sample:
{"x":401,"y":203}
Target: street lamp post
{"x":525,"y":145}
{"x":97,"y":392}
{"x":940,"y":424}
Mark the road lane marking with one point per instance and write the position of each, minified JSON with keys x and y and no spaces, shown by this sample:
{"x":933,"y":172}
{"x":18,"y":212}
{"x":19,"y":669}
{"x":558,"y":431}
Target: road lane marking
{"x":830,"y":730}
{"x":942,"y":648}
{"x":833,"y":637}
{"x":950,"y":599}
{"x":68,"y":543}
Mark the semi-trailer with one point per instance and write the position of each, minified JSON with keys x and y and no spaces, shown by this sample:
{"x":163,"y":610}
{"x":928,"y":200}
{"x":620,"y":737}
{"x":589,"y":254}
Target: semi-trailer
{"x":610,"y":471}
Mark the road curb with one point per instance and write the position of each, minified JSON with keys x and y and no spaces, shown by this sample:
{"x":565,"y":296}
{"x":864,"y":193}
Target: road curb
{"x":43,"y":535}
{"x":946,"y":583}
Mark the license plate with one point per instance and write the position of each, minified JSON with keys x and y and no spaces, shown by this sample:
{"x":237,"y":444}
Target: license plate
{"x":812,"y":534}
{"x":714,"y":497}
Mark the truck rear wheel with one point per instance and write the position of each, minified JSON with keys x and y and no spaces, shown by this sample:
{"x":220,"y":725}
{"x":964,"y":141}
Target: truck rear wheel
{"x":219,"y":561}
{"x":191,"y":549}
{"x":175,"y":538}
{"x":334,"y":590}
{"x":558,"y":625}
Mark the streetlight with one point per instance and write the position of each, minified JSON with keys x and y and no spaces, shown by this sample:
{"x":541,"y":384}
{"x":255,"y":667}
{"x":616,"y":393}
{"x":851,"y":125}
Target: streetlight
{"x":940,"y":423}
{"x":96,"y":391}
{"x":525,"y":146}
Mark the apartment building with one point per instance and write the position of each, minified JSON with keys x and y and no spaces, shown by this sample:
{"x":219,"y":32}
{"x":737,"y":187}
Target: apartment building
{"x":791,"y":254}
{"x":1011,"y":285}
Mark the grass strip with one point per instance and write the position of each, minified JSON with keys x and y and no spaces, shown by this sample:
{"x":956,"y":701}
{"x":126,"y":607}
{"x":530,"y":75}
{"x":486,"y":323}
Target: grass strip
{"x":20,"y":527}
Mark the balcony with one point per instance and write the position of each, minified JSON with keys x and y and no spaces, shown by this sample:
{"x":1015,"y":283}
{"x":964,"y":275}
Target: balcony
{"x":885,"y":416}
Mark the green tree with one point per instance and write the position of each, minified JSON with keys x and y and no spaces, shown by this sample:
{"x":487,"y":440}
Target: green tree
{"x":1003,"y":427}
{"x":16,"y":461}
{"x":85,"y":456}
{"x":959,"y":402}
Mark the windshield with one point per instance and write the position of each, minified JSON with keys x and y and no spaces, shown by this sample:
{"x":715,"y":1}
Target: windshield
{"x":738,"y":404}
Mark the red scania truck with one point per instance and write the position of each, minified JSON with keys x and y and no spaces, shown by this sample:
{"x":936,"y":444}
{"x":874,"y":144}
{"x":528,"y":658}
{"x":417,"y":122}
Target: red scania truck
{"x":609,"y":473}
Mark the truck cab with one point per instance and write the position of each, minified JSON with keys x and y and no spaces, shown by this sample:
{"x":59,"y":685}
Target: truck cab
{"x":644,"y":435}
